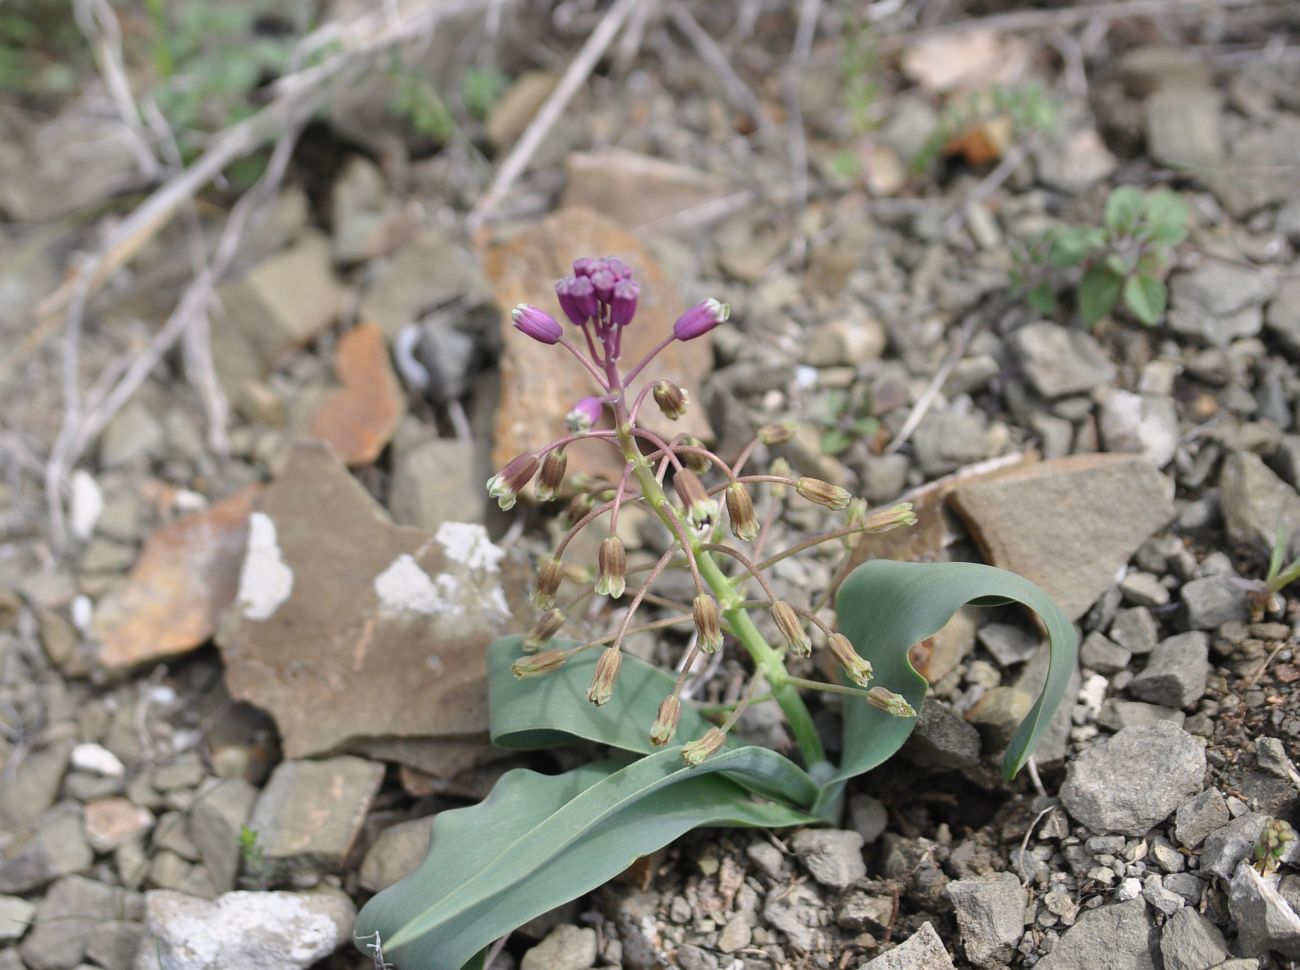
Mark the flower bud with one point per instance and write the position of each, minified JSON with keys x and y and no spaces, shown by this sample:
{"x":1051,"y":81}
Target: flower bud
{"x":585,"y":265}
{"x":549,"y":574}
{"x":700,"y":319}
{"x":777,"y":433}
{"x":506,"y":484}
{"x":622,"y":305}
{"x":701,"y":511}
{"x":855,"y":668}
{"x":551,"y":476}
{"x":536,"y":323}
{"x":616,"y":266}
{"x":602,"y":281}
{"x":740,"y":512}
{"x":698,"y":460}
{"x":854,"y":517}
{"x":882,"y":520}
{"x":538,"y":664}
{"x":665,"y":725}
{"x":708,"y":627}
{"x":672,"y":400}
{"x":824,"y":493}
{"x":696,"y":751}
{"x":788,"y":622}
{"x":547,"y":625}
{"x":577,"y":298}
{"x":780,"y":468}
{"x":602,"y":684}
{"x":612,"y":560}
{"x":584,"y":415}
{"x":889,"y":702}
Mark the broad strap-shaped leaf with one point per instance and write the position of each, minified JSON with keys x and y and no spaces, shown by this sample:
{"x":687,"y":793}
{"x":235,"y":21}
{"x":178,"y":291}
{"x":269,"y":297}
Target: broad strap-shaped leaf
{"x":885,"y":607}
{"x":545,"y":711}
{"x":539,"y":840}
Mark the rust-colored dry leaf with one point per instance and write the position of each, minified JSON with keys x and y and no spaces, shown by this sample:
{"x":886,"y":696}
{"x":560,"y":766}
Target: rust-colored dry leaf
{"x":360,"y":417}
{"x":185,"y":576}
{"x":540,"y":384}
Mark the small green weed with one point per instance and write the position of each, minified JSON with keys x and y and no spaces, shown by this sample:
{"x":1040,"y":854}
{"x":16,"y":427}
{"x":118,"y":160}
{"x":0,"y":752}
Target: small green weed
{"x":1122,"y":260}
{"x":844,"y":421}
{"x":1029,"y":108}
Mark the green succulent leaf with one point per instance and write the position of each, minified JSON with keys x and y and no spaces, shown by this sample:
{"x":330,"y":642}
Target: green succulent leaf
{"x":1165,"y":216}
{"x":885,"y":607}
{"x":1098,"y":292}
{"x":1124,"y":208}
{"x":539,"y":840}
{"x":1145,"y":298}
{"x":1072,"y":246}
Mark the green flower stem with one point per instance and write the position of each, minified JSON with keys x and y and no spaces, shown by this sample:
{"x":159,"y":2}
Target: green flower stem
{"x":729,"y":598}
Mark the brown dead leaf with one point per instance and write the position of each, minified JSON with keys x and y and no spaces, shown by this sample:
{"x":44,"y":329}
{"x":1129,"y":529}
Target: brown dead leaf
{"x":360,"y":417}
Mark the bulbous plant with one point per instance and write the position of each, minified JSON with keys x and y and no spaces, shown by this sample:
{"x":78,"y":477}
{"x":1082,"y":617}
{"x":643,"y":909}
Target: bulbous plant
{"x":540,"y":840}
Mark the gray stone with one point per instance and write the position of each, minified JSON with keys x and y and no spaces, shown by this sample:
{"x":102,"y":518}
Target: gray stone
{"x":69,"y":918}
{"x":1272,"y":758}
{"x":1135,"y":630}
{"x":1069,"y":524}
{"x":115,"y":945}
{"x":15,"y":916}
{"x":396,"y":853}
{"x":998,"y":713}
{"x":1264,"y":152}
{"x":884,"y":477}
{"x":862,"y":911}
{"x":1161,"y":899}
{"x":832,"y":856}
{"x":1183,"y":128}
{"x":364,"y":213}
{"x":134,"y":434}
{"x":947,"y":440}
{"x":1177,"y":671}
{"x":1189,"y":941}
{"x":941,"y":739}
{"x":1257,"y":504}
{"x":1074,"y":162}
{"x":567,"y":947}
{"x":1229,"y":844}
{"x":1141,"y":424}
{"x":1135,"y":780}
{"x":1283,"y":316}
{"x":1143,"y":589}
{"x":308,"y":816}
{"x":1219,"y":301}
{"x":1198,"y":817}
{"x":440,"y":481}
{"x":217,"y":818}
{"x":923,"y":950}
{"x":868,"y":816}
{"x":990,"y":916}
{"x":1117,"y":937}
{"x":1212,"y":601}
{"x":1265,"y":921}
{"x":1103,"y":655}
{"x":1116,"y":714}
{"x":1009,"y":644}
{"x":797,"y":912}
{"x":1187,"y":884}
{"x":430,"y":271}
{"x":32,"y":788}
{"x":1060,"y":360}
{"x":244,"y":930}
{"x":55,"y":846}
{"x":849,"y":339}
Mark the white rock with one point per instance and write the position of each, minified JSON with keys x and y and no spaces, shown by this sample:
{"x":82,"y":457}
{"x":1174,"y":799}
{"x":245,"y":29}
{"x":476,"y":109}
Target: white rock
{"x":87,"y":504}
{"x":97,"y":759}
{"x":265,"y":581}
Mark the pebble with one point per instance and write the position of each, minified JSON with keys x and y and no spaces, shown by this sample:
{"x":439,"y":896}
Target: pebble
{"x":1256,"y":503}
{"x":1008,"y":643}
{"x":1060,"y":360}
{"x":1142,"y":424}
{"x":1135,"y":630}
{"x":766,"y":856}
{"x":796,"y":912}
{"x":1143,"y":589}
{"x":1155,"y":893}
{"x":1187,"y":884}
{"x":567,"y":947}
{"x":256,"y":930}
{"x":1189,"y":941}
{"x":1265,"y":921}
{"x":69,"y":918}
{"x":216,"y":823}
{"x":868,"y":816}
{"x":1117,"y":937}
{"x":1230,"y":843}
{"x":396,"y":853}
{"x":56,"y":846}
{"x":111,"y":822}
{"x":832,"y":856}
{"x":15,"y":916}
{"x":1115,"y":714}
{"x":990,"y":916}
{"x":1135,"y":780}
{"x":1102,"y":654}
{"x":1177,"y":671}
{"x":862,"y":911}
{"x":1212,"y":601}
{"x":942,"y":739}
{"x":923,"y":950}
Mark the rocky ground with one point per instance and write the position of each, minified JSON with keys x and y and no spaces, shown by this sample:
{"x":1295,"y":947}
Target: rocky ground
{"x":218,"y":738}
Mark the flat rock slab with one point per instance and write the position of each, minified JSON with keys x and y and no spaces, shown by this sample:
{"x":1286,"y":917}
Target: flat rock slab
{"x":310,"y":813}
{"x":1068,"y":524}
{"x":1135,"y":780}
{"x":1257,"y":504}
{"x":350,"y":630}
{"x":1117,"y":937}
{"x":251,"y":931}
{"x":923,"y":950}
{"x":540,"y":384}
{"x":635,"y":189}
{"x":360,"y":417}
{"x":186,"y":575}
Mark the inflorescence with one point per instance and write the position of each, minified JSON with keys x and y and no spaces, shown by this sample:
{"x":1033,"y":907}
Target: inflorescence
{"x":600,"y":301}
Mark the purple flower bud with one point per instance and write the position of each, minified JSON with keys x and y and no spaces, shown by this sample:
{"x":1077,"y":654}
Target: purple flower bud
{"x":506,"y":484}
{"x":584,"y":415}
{"x":617,"y":267}
{"x":700,"y":319}
{"x":577,"y":298}
{"x":623,"y":305}
{"x":603,"y":281}
{"x":585,"y":266}
{"x":536,"y":323}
